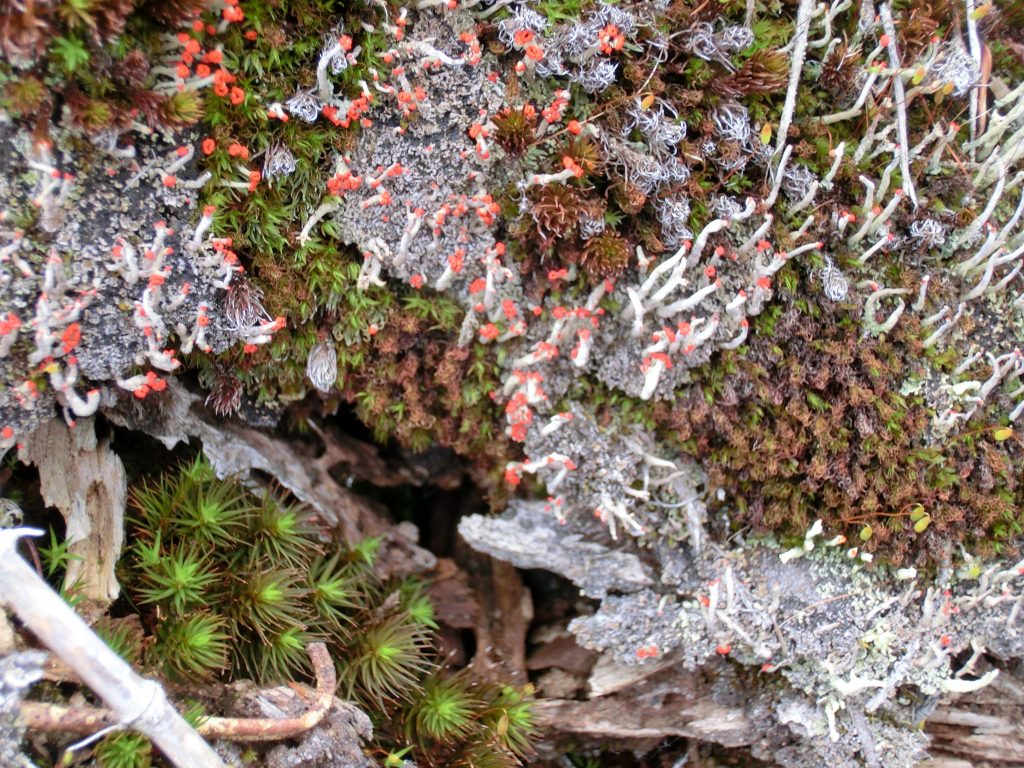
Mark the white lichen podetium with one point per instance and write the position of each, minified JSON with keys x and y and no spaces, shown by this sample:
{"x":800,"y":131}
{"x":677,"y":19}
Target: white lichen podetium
{"x":618,"y":479}
{"x":53,"y":189}
{"x":985,"y":256}
{"x":678,"y":310}
{"x":150,"y":266}
{"x":812,"y":533}
{"x":56,"y":333}
{"x":800,"y":37}
{"x":872,"y":326}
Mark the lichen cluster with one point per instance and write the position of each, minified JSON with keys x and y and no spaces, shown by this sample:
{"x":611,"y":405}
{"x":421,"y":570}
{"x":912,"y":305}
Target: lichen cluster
{"x":830,"y":660}
{"x":551,"y":203}
{"x":681,"y":270}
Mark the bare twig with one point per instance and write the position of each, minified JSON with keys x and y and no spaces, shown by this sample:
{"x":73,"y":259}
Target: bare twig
{"x":38,"y":716}
{"x":803,"y":28}
{"x":268,"y":729}
{"x":55,"y":718}
{"x":900,"y":99}
{"x":136,"y":702}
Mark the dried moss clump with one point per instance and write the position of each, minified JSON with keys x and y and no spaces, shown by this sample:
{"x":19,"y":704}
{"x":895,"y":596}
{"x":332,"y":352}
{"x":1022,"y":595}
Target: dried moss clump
{"x":810,"y":422}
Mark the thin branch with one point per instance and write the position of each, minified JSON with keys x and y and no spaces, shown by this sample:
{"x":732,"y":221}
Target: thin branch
{"x":136,"y":702}
{"x":803,"y":28}
{"x":85,"y":721}
{"x":268,"y":729}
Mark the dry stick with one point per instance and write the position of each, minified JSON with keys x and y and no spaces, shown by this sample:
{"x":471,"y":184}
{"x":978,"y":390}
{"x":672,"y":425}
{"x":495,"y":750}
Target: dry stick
{"x":37,"y":716}
{"x":803,"y":29}
{"x":267,"y":729}
{"x":900,"y":98}
{"x":137,"y":703}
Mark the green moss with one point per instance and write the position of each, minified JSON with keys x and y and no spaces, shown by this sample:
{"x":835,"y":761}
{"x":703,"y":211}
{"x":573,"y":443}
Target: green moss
{"x":124,"y":750}
{"x":248,"y":601}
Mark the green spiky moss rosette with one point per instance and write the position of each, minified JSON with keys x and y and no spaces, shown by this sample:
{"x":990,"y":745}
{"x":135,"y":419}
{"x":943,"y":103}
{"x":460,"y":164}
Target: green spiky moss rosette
{"x":232,"y":585}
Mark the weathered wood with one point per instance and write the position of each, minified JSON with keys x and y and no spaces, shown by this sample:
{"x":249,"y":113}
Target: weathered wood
{"x":983,"y":729}
{"x":501,"y":629}
{"x":83,"y":478}
{"x":627,"y":704}
{"x":234,"y":448}
{"x":626,"y":718}
{"x":640,"y":703}
{"x":608,"y":676}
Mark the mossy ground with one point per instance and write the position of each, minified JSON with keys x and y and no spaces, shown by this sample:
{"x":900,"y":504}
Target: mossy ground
{"x":398,"y":367}
{"x":808,"y":422}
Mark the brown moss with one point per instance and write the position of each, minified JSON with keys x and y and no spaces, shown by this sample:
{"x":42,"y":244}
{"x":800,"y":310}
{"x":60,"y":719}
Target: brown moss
{"x":27,"y":96}
{"x":808,"y":423}
{"x":628,"y":197}
{"x":514,"y":129}
{"x":171,"y":13}
{"x":555,"y":209}
{"x":25,"y":29}
{"x":917,"y":31}
{"x":413,"y":385}
{"x":103,"y":20}
{"x":763,"y":73}
{"x":839,"y":73}
{"x":606,"y":255}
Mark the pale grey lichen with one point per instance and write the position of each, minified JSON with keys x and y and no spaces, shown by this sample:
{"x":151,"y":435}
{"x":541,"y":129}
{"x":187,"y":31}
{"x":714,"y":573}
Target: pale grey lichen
{"x":121,"y":253}
{"x":18,"y":672}
{"x":528,"y":536}
{"x":838,"y":637}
